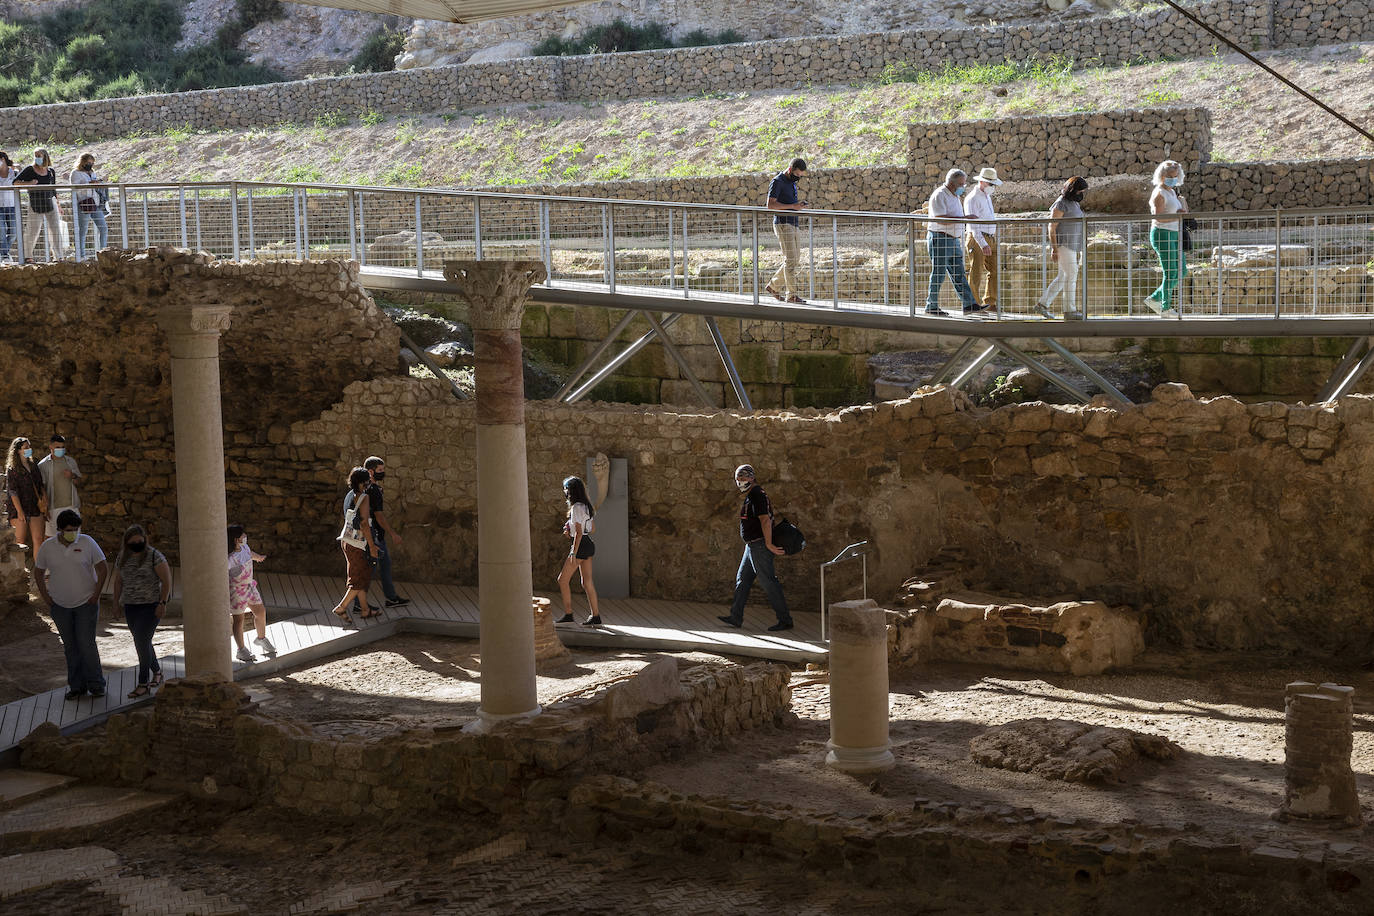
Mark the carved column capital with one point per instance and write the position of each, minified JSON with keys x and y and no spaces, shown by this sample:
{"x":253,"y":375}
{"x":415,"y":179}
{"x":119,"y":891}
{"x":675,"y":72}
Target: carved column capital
{"x":495,"y":290}
{"x":193,"y":328}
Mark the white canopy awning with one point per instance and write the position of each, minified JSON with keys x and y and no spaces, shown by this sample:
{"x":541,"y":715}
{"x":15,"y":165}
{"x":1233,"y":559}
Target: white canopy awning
{"x":447,"y":10}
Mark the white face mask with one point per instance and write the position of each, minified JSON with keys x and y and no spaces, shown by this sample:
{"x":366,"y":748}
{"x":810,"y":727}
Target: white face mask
{"x":744,"y":485}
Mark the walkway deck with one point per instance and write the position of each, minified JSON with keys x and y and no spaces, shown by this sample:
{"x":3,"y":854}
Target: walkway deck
{"x":448,"y":610}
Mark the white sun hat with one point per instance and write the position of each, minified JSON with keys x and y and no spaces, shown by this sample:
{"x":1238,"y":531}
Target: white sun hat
{"x":989,"y":175}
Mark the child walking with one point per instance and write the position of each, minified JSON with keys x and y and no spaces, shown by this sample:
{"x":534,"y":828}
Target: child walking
{"x":579,"y":527}
{"x":244,"y":597}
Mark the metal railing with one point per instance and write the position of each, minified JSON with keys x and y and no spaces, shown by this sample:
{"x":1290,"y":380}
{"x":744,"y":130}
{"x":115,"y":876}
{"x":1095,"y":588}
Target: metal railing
{"x":1275,"y":264}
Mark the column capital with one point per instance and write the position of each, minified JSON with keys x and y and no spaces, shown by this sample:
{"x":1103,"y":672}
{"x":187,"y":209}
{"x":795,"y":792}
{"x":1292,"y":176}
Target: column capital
{"x":495,"y":290}
{"x":194,"y":319}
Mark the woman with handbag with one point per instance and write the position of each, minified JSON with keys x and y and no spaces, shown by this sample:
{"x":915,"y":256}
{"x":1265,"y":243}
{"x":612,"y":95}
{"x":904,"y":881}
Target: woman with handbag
{"x":28,"y":499}
{"x":579,"y":527}
{"x":89,"y":206}
{"x":359,"y":548}
{"x":1166,"y":236}
{"x":45,"y":211}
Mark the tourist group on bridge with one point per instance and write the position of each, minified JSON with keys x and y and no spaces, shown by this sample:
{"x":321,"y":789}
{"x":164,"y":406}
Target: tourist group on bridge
{"x":961,"y":240}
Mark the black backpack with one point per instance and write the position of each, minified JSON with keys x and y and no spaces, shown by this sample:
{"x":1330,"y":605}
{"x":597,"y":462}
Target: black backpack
{"x":788,"y":536}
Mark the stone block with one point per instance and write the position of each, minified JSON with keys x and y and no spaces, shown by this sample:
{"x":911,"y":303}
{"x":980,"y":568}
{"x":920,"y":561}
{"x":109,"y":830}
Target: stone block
{"x":652,"y":686}
{"x":1074,"y":637}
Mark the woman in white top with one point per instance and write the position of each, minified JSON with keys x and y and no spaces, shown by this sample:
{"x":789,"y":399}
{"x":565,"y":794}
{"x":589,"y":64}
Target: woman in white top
{"x":1166,"y":235}
{"x":579,"y":527}
{"x":9,"y":207}
{"x":90,"y":208}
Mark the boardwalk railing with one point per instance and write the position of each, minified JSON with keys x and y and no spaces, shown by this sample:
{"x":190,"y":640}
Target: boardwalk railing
{"x":1278,"y":264}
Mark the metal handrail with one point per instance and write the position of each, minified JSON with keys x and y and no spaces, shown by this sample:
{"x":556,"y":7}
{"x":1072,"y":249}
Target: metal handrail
{"x":854,"y":551}
{"x":337,"y":220}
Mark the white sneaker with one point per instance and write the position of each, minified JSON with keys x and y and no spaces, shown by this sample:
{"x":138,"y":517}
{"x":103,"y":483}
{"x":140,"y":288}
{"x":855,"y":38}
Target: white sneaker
{"x":265,"y":644}
{"x":1153,"y":306}
{"x":246,"y":655}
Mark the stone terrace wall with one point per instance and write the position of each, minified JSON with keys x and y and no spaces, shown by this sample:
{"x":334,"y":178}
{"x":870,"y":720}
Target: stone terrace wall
{"x":1303,"y":23}
{"x":758,"y":65}
{"x":85,"y":357}
{"x":1054,"y":147}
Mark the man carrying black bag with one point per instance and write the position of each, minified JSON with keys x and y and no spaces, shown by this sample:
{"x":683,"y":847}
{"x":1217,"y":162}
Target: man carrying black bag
{"x":756,"y":530}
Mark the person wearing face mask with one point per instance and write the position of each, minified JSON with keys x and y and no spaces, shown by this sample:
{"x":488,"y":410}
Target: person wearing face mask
{"x":9,"y":208}
{"x":69,"y":572}
{"x":782,"y":195}
{"x":142,"y":585}
{"x":381,"y":532}
{"x":60,"y":474}
{"x":45,"y":211}
{"x":90,"y":206}
{"x":1066,"y":241}
{"x":981,"y":244}
{"x":756,"y":530}
{"x":1166,"y":231}
{"x":27,"y":496}
{"x":946,"y":211}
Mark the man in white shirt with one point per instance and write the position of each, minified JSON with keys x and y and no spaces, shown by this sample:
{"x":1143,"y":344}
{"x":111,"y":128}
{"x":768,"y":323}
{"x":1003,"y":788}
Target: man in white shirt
{"x":60,"y":474}
{"x":981,"y":244}
{"x":69,"y":570}
{"x":945,"y":229}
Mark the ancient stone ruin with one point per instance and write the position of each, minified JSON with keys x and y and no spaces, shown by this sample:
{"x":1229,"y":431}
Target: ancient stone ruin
{"x":1319,"y":783}
{"x":1071,"y":751}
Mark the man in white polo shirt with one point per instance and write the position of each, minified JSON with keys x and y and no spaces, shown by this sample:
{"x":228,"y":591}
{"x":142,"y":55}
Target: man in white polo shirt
{"x":981,"y":245}
{"x":944,"y":231}
{"x":68,"y":571}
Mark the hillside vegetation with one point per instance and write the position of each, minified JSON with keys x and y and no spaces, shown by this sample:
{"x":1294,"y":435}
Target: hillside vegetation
{"x":1254,"y":118}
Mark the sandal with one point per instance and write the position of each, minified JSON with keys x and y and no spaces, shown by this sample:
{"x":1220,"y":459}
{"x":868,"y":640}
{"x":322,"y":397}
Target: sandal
{"x":142,"y":690}
{"x":369,"y":614}
{"x":342,"y":614}
{"x":157,"y":680}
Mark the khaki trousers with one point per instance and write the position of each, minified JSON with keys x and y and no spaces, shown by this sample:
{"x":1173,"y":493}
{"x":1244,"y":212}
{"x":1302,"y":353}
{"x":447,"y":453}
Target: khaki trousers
{"x":982,"y":270}
{"x":787,"y":280}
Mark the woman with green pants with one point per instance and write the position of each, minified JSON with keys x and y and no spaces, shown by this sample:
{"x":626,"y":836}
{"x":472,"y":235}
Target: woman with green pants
{"x":1166,"y":236}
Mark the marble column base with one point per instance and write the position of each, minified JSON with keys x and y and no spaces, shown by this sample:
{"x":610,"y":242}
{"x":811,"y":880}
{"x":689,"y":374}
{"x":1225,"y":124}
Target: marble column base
{"x":859,"y":759}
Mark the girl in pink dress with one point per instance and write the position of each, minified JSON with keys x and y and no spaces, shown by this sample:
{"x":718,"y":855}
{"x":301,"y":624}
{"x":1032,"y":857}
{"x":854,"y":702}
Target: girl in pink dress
{"x":244,"y":597}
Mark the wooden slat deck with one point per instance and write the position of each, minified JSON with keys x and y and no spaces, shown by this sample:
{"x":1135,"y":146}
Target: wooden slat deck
{"x":449,"y":610}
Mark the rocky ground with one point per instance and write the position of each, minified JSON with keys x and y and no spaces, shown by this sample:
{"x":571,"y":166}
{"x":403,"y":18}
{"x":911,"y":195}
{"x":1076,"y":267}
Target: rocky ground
{"x":745,"y":131}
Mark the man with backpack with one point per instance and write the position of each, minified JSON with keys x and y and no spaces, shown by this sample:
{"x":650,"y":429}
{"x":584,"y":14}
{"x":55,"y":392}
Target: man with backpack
{"x":756,"y":530}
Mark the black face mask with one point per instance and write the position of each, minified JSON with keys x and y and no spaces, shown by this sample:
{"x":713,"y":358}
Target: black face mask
{"x":137,"y":546}
{"x":379,"y":475}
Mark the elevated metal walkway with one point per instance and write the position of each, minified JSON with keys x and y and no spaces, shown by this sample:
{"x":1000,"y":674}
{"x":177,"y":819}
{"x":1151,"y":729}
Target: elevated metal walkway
{"x":1278,"y":273}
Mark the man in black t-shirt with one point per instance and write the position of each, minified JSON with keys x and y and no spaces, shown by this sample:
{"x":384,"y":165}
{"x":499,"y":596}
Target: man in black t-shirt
{"x":756,"y":530}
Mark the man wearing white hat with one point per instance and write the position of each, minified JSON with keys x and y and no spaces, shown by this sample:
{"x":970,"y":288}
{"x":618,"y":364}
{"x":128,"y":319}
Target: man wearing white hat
{"x":982,"y":239}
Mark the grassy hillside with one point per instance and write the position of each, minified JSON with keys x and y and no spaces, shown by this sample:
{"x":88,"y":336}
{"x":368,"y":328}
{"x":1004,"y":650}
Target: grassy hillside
{"x":1254,"y":118}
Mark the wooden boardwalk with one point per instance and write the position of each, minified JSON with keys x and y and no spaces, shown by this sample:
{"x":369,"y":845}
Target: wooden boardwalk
{"x":448,"y":610}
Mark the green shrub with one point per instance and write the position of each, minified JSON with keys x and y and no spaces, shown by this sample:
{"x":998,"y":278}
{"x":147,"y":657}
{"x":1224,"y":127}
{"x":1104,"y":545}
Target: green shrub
{"x":378,"y":53}
{"x":115,"y":48}
{"x":128,"y":85}
{"x":621,"y":36}
{"x":253,"y":12}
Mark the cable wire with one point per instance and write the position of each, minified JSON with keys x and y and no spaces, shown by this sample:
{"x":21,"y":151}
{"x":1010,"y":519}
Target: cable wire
{"x":1263,"y":66}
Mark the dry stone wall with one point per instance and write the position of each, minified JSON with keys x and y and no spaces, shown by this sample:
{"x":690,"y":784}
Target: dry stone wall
{"x":759,"y":65}
{"x":87,"y":359}
{"x":1055,"y":147}
{"x":208,"y":740}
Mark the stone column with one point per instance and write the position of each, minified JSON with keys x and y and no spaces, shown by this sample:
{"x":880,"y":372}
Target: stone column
{"x":858,"y":688}
{"x":193,"y":331}
{"x":1319,"y":783}
{"x":496,"y":291}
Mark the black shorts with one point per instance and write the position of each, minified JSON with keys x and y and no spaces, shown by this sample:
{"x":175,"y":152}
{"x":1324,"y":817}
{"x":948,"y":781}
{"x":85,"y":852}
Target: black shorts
{"x":586,"y":549}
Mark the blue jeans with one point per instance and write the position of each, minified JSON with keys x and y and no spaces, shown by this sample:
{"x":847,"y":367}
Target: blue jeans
{"x":382,"y":564}
{"x":946,"y":257}
{"x":9,"y":231}
{"x":83,"y":222}
{"x":76,"y":626}
{"x":757,"y":562}
{"x":142,"y":622}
